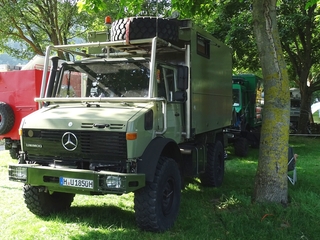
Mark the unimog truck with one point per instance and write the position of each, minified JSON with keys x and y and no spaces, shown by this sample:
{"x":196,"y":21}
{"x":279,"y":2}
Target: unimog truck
{"x":138,"y":109}
{"x":247,"y":112}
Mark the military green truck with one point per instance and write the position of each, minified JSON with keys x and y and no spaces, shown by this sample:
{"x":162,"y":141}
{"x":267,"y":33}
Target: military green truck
{"x":139,"y":109}
{"x":247,"y":112}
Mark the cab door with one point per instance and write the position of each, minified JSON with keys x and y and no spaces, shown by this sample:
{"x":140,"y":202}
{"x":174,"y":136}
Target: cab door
{"x":166,"y":88}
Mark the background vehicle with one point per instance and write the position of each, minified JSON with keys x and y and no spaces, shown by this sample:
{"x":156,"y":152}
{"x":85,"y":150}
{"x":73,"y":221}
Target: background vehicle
{"x":295,"y":102}
{"x":18,"y":89}
{"x":247,"y":112}
{"x":143,"y":114}
{"x":19,"y":85}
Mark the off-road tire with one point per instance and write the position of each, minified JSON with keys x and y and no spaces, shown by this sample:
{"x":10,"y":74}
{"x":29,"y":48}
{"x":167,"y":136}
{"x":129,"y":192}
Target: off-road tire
{"x":42,"y":203}
{"x":144,"y":27}
{"x":14,"y":153}
{"x":241,"y":147}
{"x":214,"y":169}
{"x":157,"y":204}
{"x":6,"y":118}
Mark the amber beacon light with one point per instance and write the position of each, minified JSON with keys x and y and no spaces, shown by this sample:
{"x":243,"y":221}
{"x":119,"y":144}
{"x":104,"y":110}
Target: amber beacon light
{"x":107,"y":20}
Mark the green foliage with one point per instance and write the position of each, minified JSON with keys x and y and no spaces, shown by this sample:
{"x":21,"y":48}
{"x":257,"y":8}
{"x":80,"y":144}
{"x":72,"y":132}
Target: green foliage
{"x":34,"y":24}
{"x":233,"y":23}
{"x":310,"y":3}
{"x":126,"y":8}
{"x":300,"y":38}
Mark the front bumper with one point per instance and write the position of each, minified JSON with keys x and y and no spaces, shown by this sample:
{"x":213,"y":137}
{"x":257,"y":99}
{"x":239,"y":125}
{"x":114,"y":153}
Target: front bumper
{"x":76,"y":181}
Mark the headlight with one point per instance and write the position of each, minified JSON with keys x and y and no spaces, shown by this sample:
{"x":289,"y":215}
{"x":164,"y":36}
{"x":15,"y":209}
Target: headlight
{"x":113,"y":182}
{"x":17,"y":173}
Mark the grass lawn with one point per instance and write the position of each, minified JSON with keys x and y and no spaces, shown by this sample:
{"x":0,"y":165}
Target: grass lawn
{"x":316,"y":117}
{"x":205,"y":213}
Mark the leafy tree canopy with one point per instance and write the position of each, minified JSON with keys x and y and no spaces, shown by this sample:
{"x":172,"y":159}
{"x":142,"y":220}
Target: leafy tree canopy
{"x":126,"y":8}
{"x":34,"y":24}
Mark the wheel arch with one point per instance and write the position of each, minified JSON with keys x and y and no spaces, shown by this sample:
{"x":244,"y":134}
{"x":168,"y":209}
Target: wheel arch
{"x":156,"y":148}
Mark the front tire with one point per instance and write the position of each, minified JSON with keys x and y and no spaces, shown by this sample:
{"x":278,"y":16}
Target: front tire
{"x":14,"y":153}
{"x":157,"y":204}
{"x":42,"y":203}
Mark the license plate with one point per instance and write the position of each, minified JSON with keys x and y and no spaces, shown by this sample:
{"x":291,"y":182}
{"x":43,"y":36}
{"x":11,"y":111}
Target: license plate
{"x":76,"y":182}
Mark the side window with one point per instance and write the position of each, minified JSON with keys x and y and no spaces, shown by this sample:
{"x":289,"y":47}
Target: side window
{"x":70,"y":85}
{"x":203,"y":46}
{"x":236,"y":97}
{"x":169,"y":78}
{"x":161,"y":87}
{"x":166,"y":82}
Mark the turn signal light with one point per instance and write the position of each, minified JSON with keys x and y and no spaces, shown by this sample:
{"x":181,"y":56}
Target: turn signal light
{"x":131,"y":136}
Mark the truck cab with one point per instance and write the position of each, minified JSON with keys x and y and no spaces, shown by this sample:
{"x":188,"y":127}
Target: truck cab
{"x":247,"y":100}
{"x":247,"y":112}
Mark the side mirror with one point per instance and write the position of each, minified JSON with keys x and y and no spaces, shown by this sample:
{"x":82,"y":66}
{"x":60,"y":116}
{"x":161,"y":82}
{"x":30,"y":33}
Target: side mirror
{"x":180,"y":96}
{"x":183,"y":77}
{"x":52,"y":76}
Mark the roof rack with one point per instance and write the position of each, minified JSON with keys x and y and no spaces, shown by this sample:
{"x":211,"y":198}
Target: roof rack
{"x":119,"y":48}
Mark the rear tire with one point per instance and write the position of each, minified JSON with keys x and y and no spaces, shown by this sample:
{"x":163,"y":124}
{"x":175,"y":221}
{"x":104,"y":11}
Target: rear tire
{"x":241,"y":147}
{"x":157,"y":204}
{"x":214,"y":170}
{"x":42,"y":203}
{"x":6,"y":118}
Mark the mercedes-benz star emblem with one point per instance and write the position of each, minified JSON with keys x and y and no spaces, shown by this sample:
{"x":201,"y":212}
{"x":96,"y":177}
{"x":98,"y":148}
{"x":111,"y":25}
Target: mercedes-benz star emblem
{"x":69,"y":141}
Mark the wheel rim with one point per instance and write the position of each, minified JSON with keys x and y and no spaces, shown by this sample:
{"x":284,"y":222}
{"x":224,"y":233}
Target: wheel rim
{"x":168,"y":196}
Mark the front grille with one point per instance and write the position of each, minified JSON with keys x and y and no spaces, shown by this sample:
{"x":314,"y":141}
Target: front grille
{"x":107,"y":143}
{"x":118,"y":126}
{"x":92,"y":145}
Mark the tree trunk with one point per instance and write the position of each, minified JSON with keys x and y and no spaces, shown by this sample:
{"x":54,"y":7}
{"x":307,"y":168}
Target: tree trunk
{"x":271,"y":177}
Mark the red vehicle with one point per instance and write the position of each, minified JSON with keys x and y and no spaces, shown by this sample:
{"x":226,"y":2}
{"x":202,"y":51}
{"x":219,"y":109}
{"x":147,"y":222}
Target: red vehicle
{"x":17,"y":92}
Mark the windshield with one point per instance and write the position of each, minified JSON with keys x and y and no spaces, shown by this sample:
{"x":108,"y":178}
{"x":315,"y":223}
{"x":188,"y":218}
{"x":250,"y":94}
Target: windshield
{"x":104,"y":79}
{"x":295,"y":103}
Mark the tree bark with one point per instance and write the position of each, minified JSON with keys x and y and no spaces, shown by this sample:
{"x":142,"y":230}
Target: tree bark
{"x":271,"y":177}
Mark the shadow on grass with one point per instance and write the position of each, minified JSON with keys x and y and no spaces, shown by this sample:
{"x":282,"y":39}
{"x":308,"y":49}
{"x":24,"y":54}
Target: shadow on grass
{"x":100,"y":222}
{"x":113,"y":222}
